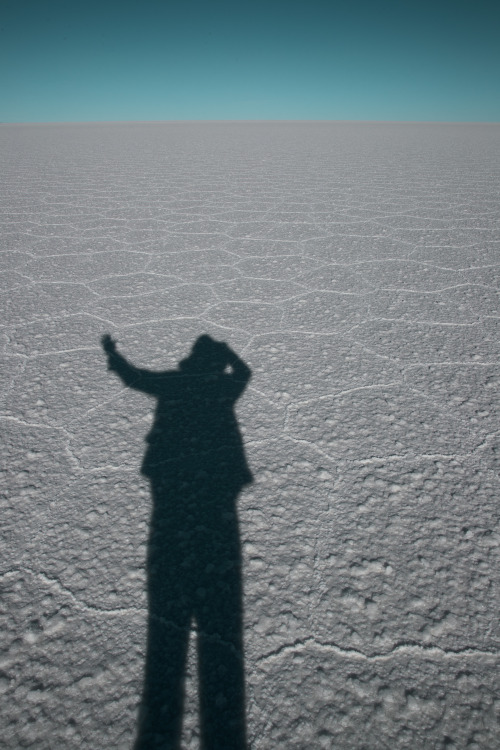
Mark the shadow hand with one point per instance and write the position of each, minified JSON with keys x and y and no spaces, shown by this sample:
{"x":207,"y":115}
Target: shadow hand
{"x":108,"y":344}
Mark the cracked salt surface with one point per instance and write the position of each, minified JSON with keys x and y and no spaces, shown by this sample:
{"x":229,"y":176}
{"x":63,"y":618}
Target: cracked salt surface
{"x":355,"y":269}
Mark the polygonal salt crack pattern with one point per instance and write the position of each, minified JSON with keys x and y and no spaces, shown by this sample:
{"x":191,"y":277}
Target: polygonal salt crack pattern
{"x":356,"y":270}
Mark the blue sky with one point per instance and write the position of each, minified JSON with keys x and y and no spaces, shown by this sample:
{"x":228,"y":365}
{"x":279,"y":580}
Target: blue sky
{"x":70,"y":61}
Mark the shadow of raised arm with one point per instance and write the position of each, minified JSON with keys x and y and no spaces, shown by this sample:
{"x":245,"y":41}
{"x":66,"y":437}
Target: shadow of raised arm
{"x":241,"y":371}
{"x":131,"y":376}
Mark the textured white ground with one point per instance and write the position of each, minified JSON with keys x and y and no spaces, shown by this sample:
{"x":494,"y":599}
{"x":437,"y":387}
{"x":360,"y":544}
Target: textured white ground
{"x":356,"y":270}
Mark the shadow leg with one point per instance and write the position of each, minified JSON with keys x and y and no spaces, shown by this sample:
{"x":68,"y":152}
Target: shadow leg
{"x":162,"y":702}
{"x":220,"y":649}
{"x":222,"y":695}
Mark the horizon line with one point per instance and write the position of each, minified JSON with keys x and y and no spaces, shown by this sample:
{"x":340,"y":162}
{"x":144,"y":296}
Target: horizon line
{"x":245,"y":121}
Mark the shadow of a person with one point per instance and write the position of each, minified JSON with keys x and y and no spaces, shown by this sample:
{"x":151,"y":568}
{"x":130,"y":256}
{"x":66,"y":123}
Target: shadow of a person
{"x":196,"y":466}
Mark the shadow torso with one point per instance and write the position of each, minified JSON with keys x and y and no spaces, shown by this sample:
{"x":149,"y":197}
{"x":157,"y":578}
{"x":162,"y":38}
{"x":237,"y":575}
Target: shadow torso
{"x":195,"y":437}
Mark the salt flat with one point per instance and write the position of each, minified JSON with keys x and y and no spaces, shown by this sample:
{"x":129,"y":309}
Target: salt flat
{"x":355,"y":269}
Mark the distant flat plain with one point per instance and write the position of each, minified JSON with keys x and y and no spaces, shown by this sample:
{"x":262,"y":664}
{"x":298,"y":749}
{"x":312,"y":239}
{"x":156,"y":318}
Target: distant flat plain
{"x":355,"y":268}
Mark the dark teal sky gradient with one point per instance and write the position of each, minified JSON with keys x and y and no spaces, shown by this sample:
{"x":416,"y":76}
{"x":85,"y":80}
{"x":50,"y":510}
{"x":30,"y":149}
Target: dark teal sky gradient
{"x":191,"y":60}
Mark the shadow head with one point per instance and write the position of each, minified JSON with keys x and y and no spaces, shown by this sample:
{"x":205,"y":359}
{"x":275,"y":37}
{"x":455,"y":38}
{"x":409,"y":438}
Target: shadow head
{"x":207,"y":356}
